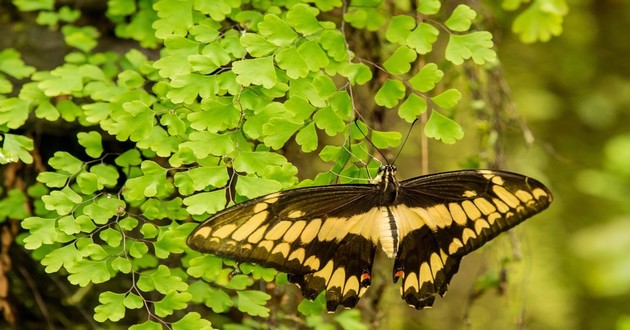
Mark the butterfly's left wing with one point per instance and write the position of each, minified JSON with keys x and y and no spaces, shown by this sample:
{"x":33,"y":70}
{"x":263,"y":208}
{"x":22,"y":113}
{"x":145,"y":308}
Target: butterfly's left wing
{"x":444,"y":216}
{"x":323,"y":237}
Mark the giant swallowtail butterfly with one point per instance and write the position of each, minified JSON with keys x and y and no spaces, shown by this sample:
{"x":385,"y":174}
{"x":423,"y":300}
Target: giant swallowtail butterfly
{"x":325,"y":237}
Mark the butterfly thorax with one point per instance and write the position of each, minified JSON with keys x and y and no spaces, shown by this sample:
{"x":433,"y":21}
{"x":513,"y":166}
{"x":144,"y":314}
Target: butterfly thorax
{"x":387,"y":184}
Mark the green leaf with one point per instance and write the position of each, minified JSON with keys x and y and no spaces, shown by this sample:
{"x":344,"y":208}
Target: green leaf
{"x":303,"y":19}
{"x":205,"y":176}
{"x":217,"y":9}
{"x":442,"y":128}
{"x":111,"y":307}
{"x":278,"y":131}
{"x":219,"y":113}
{"x":257,"y":161}
{"x":133,"y":301}
{"x":84,"y":272}
{"x":448,"y":98}
{"x":172,"y":240}
{"x":252,"y":186}
{"x":172,"y":301}
{"x":148,"y":325}
{"x":256,"y":45}
{"x":128,"y":158}
{"x":390,"y":93}
{"x":64,"y":162}
{"x":276,"y":30}
{"x":476,"y":45}
{"x":258,"y":71}
{"x":82,"y":38}
{"x":365,"y":18}
{"x":204,"y":144}
{"x":13,"y":112}
{"x":334,"y":43}
{"x":427,"y":77}
{"x":53,"y":179}
{"x":541,"y":20}
{"x":258,"y":272}
{"x":253,"y":302}
{"x":134,"y":121}
{"x":161,"y":280}
{"x":45,"y":110}
{"x":329,"y":120}
{"x":63,"y":201}
{"x":315,"y":307}
{"x":111,"y":236}
{"x":290,"y":60}
{"x":461,"y":18}
{"x":42,"y":231}
{"x":206,"y":202}
{"x":313,"y":55}
{"x":192,"y":320}
{"x":400,"y":61}
{"x":413,"y":106}
{"x":16,"y":147}
{"x":357,"y":73}
{"x":92,"y":143}
{"x":175,"y":17}
{"x":384,"y":140}
{"x":88,"y":183}
{"x":350,"y":319}
{"x":150,"y":184}
{"x":104,"y":208}
{"x":400,"y":27}
{"x":429,"y":7}
{"x":122,"y":265}
{"x":130,"y":79}
{"x":12,"y":64}
{"x":422,"y":38}
{"x":64,"y":256}
{"x":307,"y":138}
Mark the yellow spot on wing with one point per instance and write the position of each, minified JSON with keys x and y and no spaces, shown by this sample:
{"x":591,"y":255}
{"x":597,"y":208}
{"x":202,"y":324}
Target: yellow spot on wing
{"x":298,"y":255}
{"x":484,"y":206}
{"x":425,"y":273}
{"x":436,"y":264}
{"x":325,"y":272}
{"x":282,"y":248}
{"x":310,"y":231}
{"x":338,"y":279}
{"x":441,"y":216}
{"x":500,"y":205}
{"x":260,"y":207}
{"x":272,"y":198}
{"x":203,"y":232}
{"x":469,"y":193}
{"x":312,"y":262}
{"x":352,"y":284}
{"x":256,"y":236}
{"x":294,"y":232}
{"x":411,"y":281}
{"x":471,"y":210}
{"x":523,"y":195}
{"x":493,"y":217}
{"x":458,"y":214}
{"x":538,"y":193}
{"x":480,"y":225}
{"x":497,"y":180}
{"x":467,"y":234}
{"x":295,"y":214}
{"x":278,"y":230}
{"x":249,"y":226}
{"x":506,"y":196}
{"x":455,"y":245}
{"x":267,"y":245}
{"x":224,"y":231}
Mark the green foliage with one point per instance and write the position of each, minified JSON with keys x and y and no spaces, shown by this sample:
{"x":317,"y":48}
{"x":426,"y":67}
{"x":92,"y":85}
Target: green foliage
{"x":206,"y":124}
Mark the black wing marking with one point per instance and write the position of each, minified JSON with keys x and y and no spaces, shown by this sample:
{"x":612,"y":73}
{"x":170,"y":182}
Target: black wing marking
{"x":322,"y":236}
{"x":444,"y":216}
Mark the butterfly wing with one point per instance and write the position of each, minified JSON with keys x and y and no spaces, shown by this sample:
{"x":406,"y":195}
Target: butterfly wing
{"x":321,"y":236}
{"x":444,"y":216}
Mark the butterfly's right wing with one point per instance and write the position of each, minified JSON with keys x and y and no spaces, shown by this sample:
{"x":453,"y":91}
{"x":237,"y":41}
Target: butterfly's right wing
{"x":323,"y":237}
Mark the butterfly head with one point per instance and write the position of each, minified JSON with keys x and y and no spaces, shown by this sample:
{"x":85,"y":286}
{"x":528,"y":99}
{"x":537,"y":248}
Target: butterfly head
{"x":386,"y":180}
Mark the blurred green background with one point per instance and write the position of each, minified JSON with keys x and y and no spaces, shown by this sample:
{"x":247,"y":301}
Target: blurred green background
{"x":574,"y":94}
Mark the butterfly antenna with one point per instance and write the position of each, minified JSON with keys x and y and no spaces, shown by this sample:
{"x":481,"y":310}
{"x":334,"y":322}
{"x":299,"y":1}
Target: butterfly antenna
{"x":405,"y":140}
{"x":370,"y":141}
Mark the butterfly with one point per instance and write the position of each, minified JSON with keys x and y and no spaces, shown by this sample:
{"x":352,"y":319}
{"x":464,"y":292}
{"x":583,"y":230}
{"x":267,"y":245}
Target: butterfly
{"x":325,"y":237}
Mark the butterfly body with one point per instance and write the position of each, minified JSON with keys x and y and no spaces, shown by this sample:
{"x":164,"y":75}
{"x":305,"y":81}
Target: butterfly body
{"x":326,"y":237}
